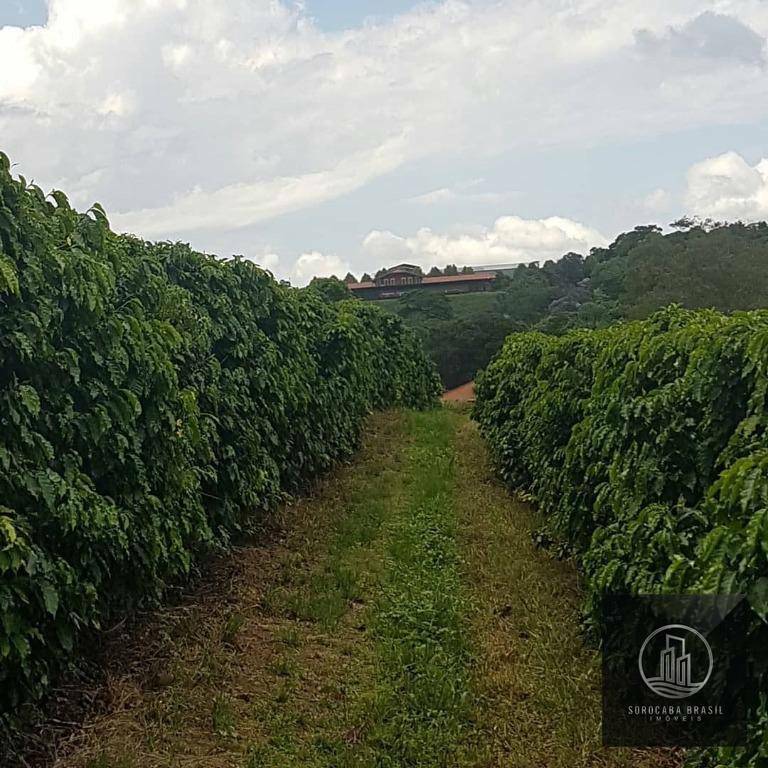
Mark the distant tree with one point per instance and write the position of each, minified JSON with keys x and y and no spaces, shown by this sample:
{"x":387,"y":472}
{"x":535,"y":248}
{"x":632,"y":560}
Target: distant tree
{"x":502,"y":281}
{"x":451,"y":269}
{"x":701,"y":264}
{"x":556,"y":324}
{"x":380,"y":272}
{"x":705,"y":265}
{"x":461,"y":346}
{"x":567,"y":270}
{"x":527,"y":297}
{"x":684,"y":223}
{"x":350,"y":278}
{"x":330,"y":288}
{"x":434,"y":272}
{"x":467,"y":270}
{"x":562,"y":306}
{"x":695,"y":222}
{"x":598,"y":313}
{"x":366,"y":278}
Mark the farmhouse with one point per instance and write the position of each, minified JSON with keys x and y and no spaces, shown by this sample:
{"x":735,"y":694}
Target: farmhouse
{"x":394,"y":282}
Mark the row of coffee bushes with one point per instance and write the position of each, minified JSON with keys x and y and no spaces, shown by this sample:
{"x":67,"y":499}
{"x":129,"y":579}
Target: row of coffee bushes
{"x":154,"y":402}
{"x":645,"y":445}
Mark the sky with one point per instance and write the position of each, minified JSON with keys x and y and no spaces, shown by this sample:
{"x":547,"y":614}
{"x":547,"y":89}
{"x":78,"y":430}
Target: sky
{"x":326,"y":136}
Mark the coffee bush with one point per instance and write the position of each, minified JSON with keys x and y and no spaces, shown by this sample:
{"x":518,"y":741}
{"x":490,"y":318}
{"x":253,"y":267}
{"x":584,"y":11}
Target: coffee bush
{"x":154,"y":403}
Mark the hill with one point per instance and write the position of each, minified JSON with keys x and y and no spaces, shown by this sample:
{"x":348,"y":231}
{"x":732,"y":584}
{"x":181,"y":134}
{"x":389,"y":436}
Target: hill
{"x":699,"y":265}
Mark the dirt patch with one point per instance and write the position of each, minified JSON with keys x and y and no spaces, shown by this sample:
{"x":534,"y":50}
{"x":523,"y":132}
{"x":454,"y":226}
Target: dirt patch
{"x":463,"y":394}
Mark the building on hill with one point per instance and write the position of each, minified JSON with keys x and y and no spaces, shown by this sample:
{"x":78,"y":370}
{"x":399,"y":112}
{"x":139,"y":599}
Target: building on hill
{"x":394,"y":282}
{"x":402,"y":274}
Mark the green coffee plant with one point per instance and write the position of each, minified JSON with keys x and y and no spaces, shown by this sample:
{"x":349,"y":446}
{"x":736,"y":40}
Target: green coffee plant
{"x":154,"y":403}
{"x":646,"y":448}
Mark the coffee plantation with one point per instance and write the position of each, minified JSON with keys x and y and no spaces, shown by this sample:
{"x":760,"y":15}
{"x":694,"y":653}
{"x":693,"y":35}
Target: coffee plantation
{"x":155,"y":402}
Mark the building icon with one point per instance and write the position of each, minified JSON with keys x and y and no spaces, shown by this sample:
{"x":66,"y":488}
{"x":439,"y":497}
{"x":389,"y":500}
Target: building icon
{"x":675,"y":663}
{"x":675,"y":666}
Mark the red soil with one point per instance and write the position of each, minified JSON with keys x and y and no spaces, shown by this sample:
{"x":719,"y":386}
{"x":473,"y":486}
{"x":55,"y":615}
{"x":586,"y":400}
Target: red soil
{"x":463,"y":394}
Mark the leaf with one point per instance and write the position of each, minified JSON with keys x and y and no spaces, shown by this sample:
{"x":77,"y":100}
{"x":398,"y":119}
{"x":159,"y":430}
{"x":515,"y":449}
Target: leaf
{"x":755,"y":527}
{"x":46,"y":485}
{"x":758,"y":597}
{"x":65,"y":634}
{"x":50,"y":598}
{"x":7,"y":529}
{"x":9,"y":279}
{"x":30,"y":399}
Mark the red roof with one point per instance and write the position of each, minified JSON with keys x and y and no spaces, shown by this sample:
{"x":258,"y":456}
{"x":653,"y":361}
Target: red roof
{"x":472,"y":276}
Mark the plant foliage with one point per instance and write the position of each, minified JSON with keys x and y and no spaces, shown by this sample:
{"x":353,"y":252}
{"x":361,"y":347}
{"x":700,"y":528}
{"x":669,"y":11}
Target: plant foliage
{"x":155,"y":402}
{"x":645,"y":445}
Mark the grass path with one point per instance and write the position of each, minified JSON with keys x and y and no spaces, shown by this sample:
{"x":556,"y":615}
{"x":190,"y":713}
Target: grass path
{"x":401,"y":618}
{"x":536,"y":687}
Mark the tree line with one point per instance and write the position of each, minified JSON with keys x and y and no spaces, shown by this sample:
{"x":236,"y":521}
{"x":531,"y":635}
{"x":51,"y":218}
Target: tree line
{"x":701,"y":264}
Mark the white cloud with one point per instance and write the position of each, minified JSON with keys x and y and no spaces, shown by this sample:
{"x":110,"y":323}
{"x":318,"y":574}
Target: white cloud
{"x":210,"y":115}
{"x":465,"y":192}
{"x":175,"y":56}
{"x":119,"y":104}
{"x":712,"y":36}
{"x":658,"y":201}
{"x":316,"y":264}
{"x":239,"y":205}
{"x":19,"y":66}
{"x":511,"y":239}
{"x":442,"y":195}
{"x":728,"y":187}
{"x":266,"y":260}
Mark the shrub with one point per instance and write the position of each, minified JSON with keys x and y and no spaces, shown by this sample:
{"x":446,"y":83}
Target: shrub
{"x":154,"y":402}
{"x":646,"y":447}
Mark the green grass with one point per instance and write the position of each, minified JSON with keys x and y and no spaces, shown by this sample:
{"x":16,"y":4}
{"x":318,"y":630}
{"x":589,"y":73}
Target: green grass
{"x":407,"y":620}
{"x":422,"y":704}
{"x":394,"y":553}
{"x":232,"y":626}
{"x":536,"y":687}
{"x":469,"y":304}
{"x":223,"y":717}
{"x":107,"y":761}
{"x":344,"y":576}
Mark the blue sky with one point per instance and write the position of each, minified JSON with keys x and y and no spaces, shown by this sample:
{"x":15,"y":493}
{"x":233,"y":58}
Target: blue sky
{"x":343,"y":14}
{"x":324,"y":136}
{"x":23,"y":12}
{"x":331,"y":15}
